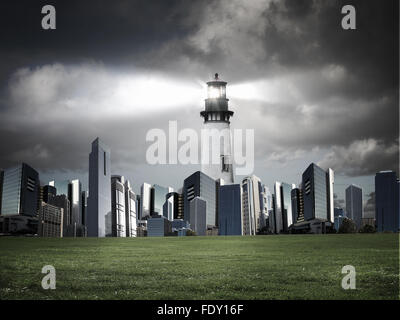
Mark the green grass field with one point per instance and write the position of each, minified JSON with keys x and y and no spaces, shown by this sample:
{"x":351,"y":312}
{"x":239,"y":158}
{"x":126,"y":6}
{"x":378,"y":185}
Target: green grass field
{"x":261,"y":267}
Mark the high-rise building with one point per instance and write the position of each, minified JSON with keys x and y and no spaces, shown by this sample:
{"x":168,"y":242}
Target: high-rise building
{"x":130,"y":210}
{"x":84,"y":196}
{"x":278,"y":218}
{"x":216,"y":156}
{"x":61,"y":201}
{"x":157,"y":199}
{"x":200,"y":185}
{"x":1,"y":186}
{"x":198,"y":215}
{"x":48,"y":193}
{"x":173,"y":206}
{"x":297,"y":205}
{"x":251,"y":209}
{"x":286,"y":199}
{"x":230,"y":210}
{"x":20,"y":191}
{"x":330,"y":180}
{"x":50,"y":221}
{"x":99,"y":201}
{"x":316,"y":198}
{"x":145,"y":199}
{"x":265,"y":206}
{"x":118,"y":212}
{"x":387,"y":197}
{"x":354,"y":204}
{"x":75,"y":199}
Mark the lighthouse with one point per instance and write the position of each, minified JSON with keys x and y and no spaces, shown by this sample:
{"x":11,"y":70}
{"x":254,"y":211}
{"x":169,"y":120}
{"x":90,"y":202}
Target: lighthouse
{"x":216,"y":135}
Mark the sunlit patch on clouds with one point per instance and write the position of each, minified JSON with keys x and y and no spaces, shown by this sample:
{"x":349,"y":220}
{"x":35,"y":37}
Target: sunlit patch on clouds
{"x":95,"y":91}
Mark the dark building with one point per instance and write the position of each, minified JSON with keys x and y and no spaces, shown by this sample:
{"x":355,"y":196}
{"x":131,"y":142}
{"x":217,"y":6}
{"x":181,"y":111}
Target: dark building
{"x":297,"y":205}
{"x":230,"y":210}
{"x":158,"y":226}
{"x":48,"y":193}
{"x":84,"y":207}
{"x":20,"y":191}
{"x":387,"y":197}
{"x":354,"y":205}
{"x":61,"y":201}
{"x":201,"y":185}
{"x":317,"y":188}
{"x":1,"y":186}
{"x":173,"y":206}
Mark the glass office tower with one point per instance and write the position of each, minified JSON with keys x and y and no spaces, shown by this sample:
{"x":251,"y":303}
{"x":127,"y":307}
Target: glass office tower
{"x":387,"y":195}
{"x":318,"y":193}
{"x":20,"y":191}
{"x":230,"y":210}
{"x":99,"y":201}
{"x":158,"y":194}
{"x":201,"y":185}
{"x":354,"y":204}
{"x":145,"y":200}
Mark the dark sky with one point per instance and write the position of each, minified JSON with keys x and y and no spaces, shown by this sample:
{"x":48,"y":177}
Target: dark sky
{"x":312,"y":91}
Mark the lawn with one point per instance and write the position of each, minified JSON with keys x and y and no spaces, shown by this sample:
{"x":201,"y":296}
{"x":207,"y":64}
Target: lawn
{"x":261,"y":267}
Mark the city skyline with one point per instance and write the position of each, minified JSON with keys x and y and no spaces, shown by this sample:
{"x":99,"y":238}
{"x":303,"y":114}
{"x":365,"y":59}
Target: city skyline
{"x":324,"y":101}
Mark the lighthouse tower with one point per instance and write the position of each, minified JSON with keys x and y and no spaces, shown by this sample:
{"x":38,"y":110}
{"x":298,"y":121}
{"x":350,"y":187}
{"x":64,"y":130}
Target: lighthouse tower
{"x":216,"y":147}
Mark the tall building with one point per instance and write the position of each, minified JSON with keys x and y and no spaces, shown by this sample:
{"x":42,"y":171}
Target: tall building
{"x":278,"y":218}
{"x":173,"y":206}
{"x":387,"y":197}
{"x":145,"y":199}
{"x":130,"y":210}
{"x":50,"y":221}
{"x":318,"y":197}
{"x":200,"y":185}
{"x":157,"y":199}
{"x":297,"y":205}
{"x":1,"y":186}
{"x":61,"y":201}
{"x":84,"y":196}
{"x":118,"y":212}
{"x":99,"y":201}
{"x":354,"y":204}
{"x":230,"y":210}
{"x":20,"y":191}
{"x":251,"y":210}
{"x":198,"y":215}
{"x":75,"y":199}
{"x":266,"y":207}
{"x":216,"y":126}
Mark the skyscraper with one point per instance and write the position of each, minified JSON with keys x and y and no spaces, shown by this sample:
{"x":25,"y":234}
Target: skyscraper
{"x":99,"y":201}
{"x":265,"y":206}
{"x":198,"y":215}
{"x":118,"y":212}
{"x":75,"y":199}
{"x":50,"y":221}
{"x":173,"y":206}
{"x":157,"y":199}
{"x":216,"y":126}
{"x":130,"y":210}
{"x":297,"y":205}
{"x":354,"y":204}
{"x":20,"y":191}
{"x":318,"y":197}
{"x":387,"y":197}
{"x":278,"y":218}
{"x":145,"y":200}
{"x":200,"y":185}
{"x":251,"y":205}
{"x":230,"y":210}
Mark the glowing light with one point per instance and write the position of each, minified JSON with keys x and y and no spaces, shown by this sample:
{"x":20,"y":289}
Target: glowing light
{"x":214,"y":92}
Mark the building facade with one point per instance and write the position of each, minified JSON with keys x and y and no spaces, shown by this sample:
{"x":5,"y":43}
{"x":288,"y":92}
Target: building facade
{"x":200,"y":185}
{"x":50,"y":221}
{"x":251,"y":209}
{"x":118,"y":212}
{"x":20,"y":191}
{"x":230,"y":210}
{"x":354,"y":205}
{"x":387,"y":197}
{"x":198,"y":216}
{"x":99,"y":201}
{"x":130,"y":210}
